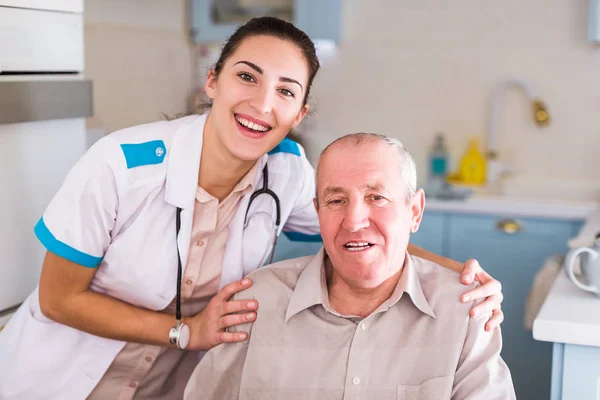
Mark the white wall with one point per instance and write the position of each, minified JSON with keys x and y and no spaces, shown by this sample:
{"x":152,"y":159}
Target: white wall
{"x":409,"y":68}
{"x":139,"y":56}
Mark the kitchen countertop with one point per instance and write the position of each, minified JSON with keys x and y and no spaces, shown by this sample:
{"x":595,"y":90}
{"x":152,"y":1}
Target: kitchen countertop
{"x":568,"y":315}
{"x":515,"y":206}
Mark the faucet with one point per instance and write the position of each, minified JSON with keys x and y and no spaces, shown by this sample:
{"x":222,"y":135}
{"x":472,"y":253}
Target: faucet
{"x":495,"y":169}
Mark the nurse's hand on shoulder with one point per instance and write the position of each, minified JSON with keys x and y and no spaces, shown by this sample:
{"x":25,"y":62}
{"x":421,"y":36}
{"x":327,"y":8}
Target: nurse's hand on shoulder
{"x":490,"y":290}
{"x":209,"y":327}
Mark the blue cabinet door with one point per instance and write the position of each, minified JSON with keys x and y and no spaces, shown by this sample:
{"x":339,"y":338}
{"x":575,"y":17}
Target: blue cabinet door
{"x":319,"y":19}
{"x":514,"y":259}
{"x":581,"y":372}
{"x":431,"y":234}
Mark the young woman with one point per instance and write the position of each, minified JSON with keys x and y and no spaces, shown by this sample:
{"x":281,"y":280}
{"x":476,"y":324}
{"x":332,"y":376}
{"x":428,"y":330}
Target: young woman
{"x":115,"y":305}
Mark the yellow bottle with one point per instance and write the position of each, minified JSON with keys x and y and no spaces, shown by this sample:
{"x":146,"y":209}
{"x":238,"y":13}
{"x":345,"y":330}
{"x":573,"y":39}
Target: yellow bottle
{"x":473,"y":165}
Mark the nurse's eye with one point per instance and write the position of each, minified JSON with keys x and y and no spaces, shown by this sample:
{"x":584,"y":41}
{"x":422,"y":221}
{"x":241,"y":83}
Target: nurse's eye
{"x":287,"y":92}
{"x":246,"y":77}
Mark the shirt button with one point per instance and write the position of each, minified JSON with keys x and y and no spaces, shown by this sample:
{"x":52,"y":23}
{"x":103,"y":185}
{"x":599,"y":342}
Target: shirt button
{"x":199,"y":243}
{"x":188,"y":282}
{"x":356,"y":380}
{"x":363,"y":326}
{"x":149,"y":359}
{"x":133,"y":384}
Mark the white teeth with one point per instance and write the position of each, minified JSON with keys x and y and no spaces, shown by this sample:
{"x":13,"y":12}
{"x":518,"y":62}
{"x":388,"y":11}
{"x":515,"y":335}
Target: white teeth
{"x":357,"y":246}
{"x":251,"y":125}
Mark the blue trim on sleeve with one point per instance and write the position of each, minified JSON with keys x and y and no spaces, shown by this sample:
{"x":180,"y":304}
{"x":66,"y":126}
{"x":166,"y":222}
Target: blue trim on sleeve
{"x":62,"y":249}
{"x":303,"y":237}
{"x":148,"y":153}
{"x":286,"y":146}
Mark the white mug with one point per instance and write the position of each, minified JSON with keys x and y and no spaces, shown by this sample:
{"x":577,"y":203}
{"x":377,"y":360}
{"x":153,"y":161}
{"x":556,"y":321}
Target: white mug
{"x":590,"y":268}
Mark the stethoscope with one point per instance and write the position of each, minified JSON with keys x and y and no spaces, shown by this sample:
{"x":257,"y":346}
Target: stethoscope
{"x":265,"y":190}
{"x":179,"y":334}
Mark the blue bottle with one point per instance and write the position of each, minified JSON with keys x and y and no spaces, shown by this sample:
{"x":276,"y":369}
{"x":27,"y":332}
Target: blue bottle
{"x":438,"y":165}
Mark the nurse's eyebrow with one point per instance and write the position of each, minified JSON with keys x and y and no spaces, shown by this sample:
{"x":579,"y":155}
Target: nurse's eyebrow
{"x":260,"y":71}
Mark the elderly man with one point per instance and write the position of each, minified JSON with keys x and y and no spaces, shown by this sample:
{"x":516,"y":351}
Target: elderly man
{"x":362,"y":319}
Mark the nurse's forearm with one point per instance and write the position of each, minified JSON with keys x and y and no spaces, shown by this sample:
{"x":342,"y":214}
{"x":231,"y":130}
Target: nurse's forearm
{"x":65,"y":298}
{"x":443,"y":261}
{"x":105,"y":316}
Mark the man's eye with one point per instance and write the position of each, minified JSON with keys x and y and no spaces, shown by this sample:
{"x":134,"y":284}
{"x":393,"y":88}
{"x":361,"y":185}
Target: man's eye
{"x":246,"y":77}
{"x":377,"y":198}
{"x":287,"y":92}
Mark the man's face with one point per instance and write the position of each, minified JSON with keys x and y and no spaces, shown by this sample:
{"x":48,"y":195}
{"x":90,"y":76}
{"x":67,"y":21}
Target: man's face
{"x":364,"y":216}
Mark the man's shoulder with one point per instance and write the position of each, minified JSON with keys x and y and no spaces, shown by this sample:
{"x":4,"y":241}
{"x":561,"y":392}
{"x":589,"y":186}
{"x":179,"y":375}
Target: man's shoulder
{"x":272,"y":285}
{"x":441,"y":286}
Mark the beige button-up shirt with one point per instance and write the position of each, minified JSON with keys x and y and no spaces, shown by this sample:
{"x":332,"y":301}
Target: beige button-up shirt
{"x":142,"y":371}
{"x":419,"y":344}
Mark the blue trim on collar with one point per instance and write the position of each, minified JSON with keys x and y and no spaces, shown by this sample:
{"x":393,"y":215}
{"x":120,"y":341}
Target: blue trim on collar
{"x":62,"y":249}
{"x":148,"y":153}
{"x":286,"y":146}
{"x":303,"y":237}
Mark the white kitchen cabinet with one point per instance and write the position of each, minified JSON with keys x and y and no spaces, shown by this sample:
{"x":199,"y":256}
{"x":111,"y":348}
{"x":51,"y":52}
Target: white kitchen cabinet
{"x":570,"y":320}
{"x":40,"y":41}
{"x":44,"y":101}
{"x":75,"y":6}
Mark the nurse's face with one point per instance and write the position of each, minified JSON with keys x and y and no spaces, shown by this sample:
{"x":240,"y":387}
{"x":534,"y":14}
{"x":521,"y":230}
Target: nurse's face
{"x":258,"y":96}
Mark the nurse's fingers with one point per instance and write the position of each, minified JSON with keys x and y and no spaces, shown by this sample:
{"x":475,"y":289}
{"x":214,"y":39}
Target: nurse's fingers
{"x":230,"y":337}
{"x":236,"y":319}
{"x":497,"y":318}
{"x":235,"y":306}
{"x":231,"y":289}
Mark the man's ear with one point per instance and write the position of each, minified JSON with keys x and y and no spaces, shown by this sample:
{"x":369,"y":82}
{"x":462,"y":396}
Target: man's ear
{"x":210,"y":86}
{"x":417,"y":206}
{"x":316,"y":204}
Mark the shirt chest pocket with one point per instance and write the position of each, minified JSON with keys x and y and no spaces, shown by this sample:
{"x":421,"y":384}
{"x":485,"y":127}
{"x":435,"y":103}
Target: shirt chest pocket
{"x":436,"y":388}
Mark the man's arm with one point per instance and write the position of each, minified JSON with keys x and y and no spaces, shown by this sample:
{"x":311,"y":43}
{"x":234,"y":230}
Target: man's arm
{"x":481,"y":372}
{"x":219,"y":373}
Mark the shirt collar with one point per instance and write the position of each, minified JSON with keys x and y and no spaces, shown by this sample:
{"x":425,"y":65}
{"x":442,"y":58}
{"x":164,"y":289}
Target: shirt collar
{"x":184,"y":163}
{"x":311,"y":288}
{"x":248,"y":181}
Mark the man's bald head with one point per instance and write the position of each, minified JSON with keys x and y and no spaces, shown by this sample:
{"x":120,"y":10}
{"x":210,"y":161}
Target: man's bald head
{"x":406,"y":162}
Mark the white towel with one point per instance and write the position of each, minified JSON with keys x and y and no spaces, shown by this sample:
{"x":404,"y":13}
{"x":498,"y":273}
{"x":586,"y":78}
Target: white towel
{"x":542,"y":283}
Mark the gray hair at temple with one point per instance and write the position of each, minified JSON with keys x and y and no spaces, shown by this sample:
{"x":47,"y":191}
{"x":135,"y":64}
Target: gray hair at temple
{"x":408,"y":169}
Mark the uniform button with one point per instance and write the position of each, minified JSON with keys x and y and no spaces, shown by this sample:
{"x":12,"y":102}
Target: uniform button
{"x":188,"y":282}
{"x":133,"y":385}
{"x":356,"y":380}
{"x":363,"y":326}
{"x":149,"y":359}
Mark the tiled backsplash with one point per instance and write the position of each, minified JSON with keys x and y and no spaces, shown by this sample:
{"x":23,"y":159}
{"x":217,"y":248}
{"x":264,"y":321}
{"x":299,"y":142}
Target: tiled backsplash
{"x":411,"y":68}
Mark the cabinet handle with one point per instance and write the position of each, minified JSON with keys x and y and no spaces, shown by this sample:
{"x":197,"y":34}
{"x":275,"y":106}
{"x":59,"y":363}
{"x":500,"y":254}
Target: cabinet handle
{"x":509,"y":226}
